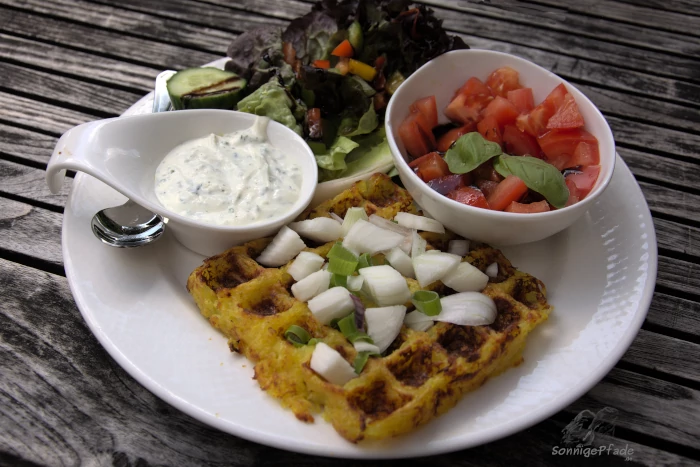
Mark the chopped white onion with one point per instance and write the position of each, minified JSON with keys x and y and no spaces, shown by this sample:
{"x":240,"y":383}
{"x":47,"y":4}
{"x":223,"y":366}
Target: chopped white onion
{"x":335,"y":216}
{"x":362,"y":346}
{"x":364,"y":237}
{"x":355,"y":283}
{"x":386,"y":285}
{"x":305,"y":264}
{"x":320,"y":229}
{"x":352,"y":215}
{"x":418,"y":321}
{"x":458,"y":247}
{"x":412,"y":221}
{"x":492,"y":270}
{"x":431,"y":267}
{"x":379,"y":221}
{"x":311,"y":285}
{"x":400,"y":261}
{"x":418,"y":246}
{"x":467,"y":309}
{"x":384,"y":324}
{"x":333,"y":303}
{"x":327,"y":362}
{"x":407,"y":243}
{"x":285,"y":246}
{"x":466,"y":278}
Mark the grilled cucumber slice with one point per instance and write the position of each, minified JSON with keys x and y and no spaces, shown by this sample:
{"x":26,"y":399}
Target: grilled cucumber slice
{"x":205,"y":88}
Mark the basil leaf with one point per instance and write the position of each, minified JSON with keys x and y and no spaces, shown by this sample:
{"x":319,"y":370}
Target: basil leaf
{"x":469,"y":152}
{"x":537,"y":174}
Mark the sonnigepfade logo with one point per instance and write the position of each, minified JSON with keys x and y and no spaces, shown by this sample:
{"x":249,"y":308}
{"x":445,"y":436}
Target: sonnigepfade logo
{"x":580,"y":433}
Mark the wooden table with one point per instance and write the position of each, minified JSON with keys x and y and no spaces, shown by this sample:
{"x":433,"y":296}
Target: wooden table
{"x":64,"y":401}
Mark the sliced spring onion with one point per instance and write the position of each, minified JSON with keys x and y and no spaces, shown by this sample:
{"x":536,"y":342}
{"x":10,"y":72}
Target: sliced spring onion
{"x":386,"y":285}
{"x":348,"y":327}
{"x":336,"y":217}
{"x":427,"y":302}
{"x":431,"y":267}
{"x":312,"y":285}
{"x":418,"y":321}
{"x":467,"y":309}
{"x":465,"y":278}
{"x":354,"y":283}
{"x":458,"y":247}
{"x":412,"y":221}
{"x":333,"y":303}
{"x":285,"y":246}
{"x":364,"y":346}
{"x":379,"y":221}
{"x":297,"y":335}
{"x":384,"y":324}
{"x":338,"y":280}
{"x":492,"y":270}
{"x":351,"y":216}
{"x":320,"y":229}
{"x":304,"y":264}
{"x":401,"y":262}
{"x":360,"y":361}
{"x":364,"y":237}
{"x":341,"y":260}
{"x":329,"y":364}
{"x":418,"y":246}
{"x":365,"y":261}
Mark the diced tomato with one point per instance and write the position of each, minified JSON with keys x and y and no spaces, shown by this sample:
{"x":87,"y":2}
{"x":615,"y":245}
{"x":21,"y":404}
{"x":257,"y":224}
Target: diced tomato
{"x":585,"y":154}
{"x":509,"y":190}
{"x":567,"y":115}
{"x":503,"y":80}
{"x":490,"y":129}
{"x":522,"y":99}
{"x":502,"y":110}
{"x":428,"y":107}
{"x":573,"y":192}
{"x":470,"y":196}
{"x":445,"y":141}
{"x":517,"y":143}
{"x":559,"y":145}
{"x":535,"y":123}
{"x":531,"y":208}
{"x":448,"y":183}
{"x":344,"y":49}
{"x":458,"y":111}
{"x":322,"y":64}
{"x":430,"y":166}
{"x":584,"y":180}
{"x":557,"y":96}
{"x":475,"y":87}
{"x":486,"y":186}
{"x":469,"y":101}
{"x":416,"y":135}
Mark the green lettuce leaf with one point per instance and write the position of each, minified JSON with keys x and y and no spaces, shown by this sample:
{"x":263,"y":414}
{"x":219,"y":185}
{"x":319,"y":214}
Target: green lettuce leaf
{"x":272,"y":100}
{"x":372,"y":151}
{"x":333,"y":159}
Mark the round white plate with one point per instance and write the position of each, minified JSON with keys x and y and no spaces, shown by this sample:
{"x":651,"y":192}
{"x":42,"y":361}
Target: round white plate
{"x":600,"y":275}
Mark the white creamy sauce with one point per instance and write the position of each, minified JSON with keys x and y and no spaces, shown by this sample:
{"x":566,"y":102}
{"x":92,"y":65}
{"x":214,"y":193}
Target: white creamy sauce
{"x":233,"y":179}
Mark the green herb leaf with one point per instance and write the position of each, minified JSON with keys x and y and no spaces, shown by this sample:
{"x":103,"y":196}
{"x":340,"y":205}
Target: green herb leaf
{"x":469,"y":152}
{"x":537,"y":174}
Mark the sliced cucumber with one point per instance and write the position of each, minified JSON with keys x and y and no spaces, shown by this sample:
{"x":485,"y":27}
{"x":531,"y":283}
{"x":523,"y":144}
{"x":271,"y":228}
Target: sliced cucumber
{"x":355,"y":36}
{"x":205,"y":88}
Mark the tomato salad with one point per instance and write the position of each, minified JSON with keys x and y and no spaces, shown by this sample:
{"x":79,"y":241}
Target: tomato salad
{"x":501,"y":151}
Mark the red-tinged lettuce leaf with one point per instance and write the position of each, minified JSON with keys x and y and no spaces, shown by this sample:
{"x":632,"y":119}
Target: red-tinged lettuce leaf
{"x":257,"y":56}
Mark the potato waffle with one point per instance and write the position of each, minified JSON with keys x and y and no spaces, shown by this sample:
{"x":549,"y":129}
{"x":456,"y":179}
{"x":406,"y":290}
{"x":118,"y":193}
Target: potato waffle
{"x":420,"y":376}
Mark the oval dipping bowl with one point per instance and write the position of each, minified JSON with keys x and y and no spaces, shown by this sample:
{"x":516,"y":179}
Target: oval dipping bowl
{"x":442,"y":77}
{"x":124,"y":153}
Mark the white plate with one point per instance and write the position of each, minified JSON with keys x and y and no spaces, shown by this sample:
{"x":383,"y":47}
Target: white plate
{"x":600,"y":275}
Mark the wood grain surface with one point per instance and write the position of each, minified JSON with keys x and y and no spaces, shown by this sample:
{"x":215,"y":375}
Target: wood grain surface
{"x":65,"y":401}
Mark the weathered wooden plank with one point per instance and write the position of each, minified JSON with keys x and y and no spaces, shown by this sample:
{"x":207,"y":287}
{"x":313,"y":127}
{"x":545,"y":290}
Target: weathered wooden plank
{"x":687,"y":7}
{"x":107,"y":100}
{"x":40,"y":115}
{"x":673,"y":202}
{"x":665,"y":354}
{"x":283,"y":9}
{"x":644,"y":135}
{"x":31,"y":231}
{"x":29,"y":183}
{"x":676,"y":274}
{"x":663,"y":169}
{"x":25,"y":144}
{"x":113,"y":44}
{"x":677,"y":237}
{"x":675,"y":313}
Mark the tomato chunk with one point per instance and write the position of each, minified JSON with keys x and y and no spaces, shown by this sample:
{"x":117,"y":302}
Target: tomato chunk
{"x":469,"y":101}
{"x":416,"y":135}
{"x":559,"y":145}
{"x":531,"y":208}
{"x":490,"y":129}
{"x":585,"y":154}
{"x":470,"y":196}
{"x":475,"y":87}
{"x":584,"y":179}
{"x":502,"y":110}
{"x":522,"y":99}
{"x":567,"y":115}
{"x":503,"y":80}
{"x":509,"y":190}
{"x":344,"y":49}
{"x":428,"y":107}
{"x":519,"y":143}
{"x":557,"y":96}
{"x":445,"y":141}
{"x":486,"y":186}
{"x":573,"y":192}
{"x":430,"y":166}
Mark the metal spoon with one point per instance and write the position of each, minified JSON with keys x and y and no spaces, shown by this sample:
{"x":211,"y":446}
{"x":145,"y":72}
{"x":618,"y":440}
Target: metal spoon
{"x":130,"y":225}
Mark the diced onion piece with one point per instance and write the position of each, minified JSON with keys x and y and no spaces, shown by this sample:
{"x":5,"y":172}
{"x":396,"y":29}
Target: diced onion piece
{"x":364,"y":237}
{"x":407,"y":244}
{"x":401,"y":262}
{"x":384,"y":324}
{"x":354,"y":283}
{"x":379,"y":221}
{"x":431,"y":267}
{"x":412,"y":221}
{"x":386,"y":285}
{"x":467,"y":309}
{"x":336,"y":217}
{"x":466,"y":278}
{"x":427,"y":302}
{"x":492,"y":270}
{"x":331,"y":304}
{"x":364,"y":346}
{"x":418,"y":321}
{"x":329,"y":364}
{"x":351,"y":216}
{"x":320,"y":229}
{"x":312,"y":285}
{"x":304,"y":264}
{"x":418,"y":246}
{"x":458,"y":247}
{"x":285,"y":246}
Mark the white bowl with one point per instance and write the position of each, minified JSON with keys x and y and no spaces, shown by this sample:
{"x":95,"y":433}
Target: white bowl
{"x":124,"y":153}
{"x":441,"y":77}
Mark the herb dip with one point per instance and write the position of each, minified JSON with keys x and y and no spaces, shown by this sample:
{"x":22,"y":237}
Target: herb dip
{"x":233,"y":179}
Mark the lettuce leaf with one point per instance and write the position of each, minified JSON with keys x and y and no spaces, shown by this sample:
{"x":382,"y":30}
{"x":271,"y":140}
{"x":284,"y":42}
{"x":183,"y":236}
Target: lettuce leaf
{"x":371,"y":151}
{"x":333,"y":159}
{"x":272,"y":100}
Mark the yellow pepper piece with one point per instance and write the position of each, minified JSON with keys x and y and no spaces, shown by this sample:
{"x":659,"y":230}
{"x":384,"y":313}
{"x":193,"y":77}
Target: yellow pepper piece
{"x":364,"y":71}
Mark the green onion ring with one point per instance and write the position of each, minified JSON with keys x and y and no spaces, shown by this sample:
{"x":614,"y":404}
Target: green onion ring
{"x":427,"y":302}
